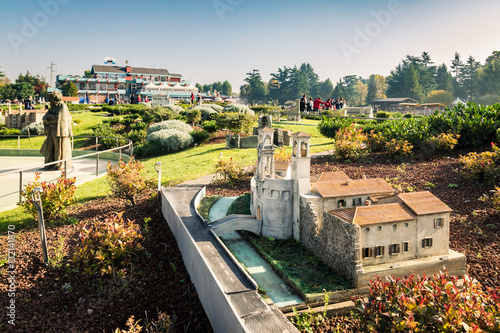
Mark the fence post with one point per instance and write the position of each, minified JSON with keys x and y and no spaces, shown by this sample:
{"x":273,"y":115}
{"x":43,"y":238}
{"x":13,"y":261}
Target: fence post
{"x":18,"y":142}
{"x":20,"y":185}
{"x":72,"y":143}
{"x":97,"y":166}
{"x":65,"y":170}
{"x":35,"y":196}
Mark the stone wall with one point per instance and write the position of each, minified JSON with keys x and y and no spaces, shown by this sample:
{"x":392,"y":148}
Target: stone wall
{"x":334,"y":243}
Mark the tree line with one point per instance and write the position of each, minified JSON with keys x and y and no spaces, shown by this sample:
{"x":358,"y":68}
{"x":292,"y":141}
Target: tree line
{"x":416,"y":77}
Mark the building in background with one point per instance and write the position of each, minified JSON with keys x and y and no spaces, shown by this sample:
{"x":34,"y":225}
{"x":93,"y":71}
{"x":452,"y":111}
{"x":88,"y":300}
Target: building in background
{"x":125,"y":82}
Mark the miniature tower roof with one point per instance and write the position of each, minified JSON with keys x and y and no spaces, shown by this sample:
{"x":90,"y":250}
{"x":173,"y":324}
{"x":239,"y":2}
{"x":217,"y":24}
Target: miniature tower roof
{"x":301,"y":135}
{"x":267,"y":129}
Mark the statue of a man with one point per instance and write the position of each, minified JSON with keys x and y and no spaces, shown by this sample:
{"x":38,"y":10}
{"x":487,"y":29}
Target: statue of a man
{"x":57,"y":126}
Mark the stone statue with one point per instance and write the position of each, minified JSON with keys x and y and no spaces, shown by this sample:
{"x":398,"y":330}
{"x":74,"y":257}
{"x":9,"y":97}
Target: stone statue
{"x":57,"y":126}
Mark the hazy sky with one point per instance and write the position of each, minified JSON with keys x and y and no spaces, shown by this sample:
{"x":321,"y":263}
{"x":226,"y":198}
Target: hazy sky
{"x":217,"y":40}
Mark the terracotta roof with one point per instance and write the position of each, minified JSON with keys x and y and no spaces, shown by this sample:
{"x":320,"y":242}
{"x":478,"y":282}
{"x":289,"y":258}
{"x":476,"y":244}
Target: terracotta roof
{"x":301,"y":135}
{"x":334,"y":176}
{"x":374,"y":186}
{"x":76,"y":99}
{"x":423,"y":203}
{"x":267,"y":129}
{"x":281,"y":165}
{"x":376,"y":214}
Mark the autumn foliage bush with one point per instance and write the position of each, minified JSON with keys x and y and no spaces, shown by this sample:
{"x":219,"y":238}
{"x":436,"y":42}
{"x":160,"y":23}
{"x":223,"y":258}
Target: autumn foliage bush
{"x":483,"y":166}
{"x":437,"y":304}
{"x":444,"y":141}
{"x":126,"y":180}
{"x":230,"y":170}
{"x":107,"y":246}
{"x":350,"y":143}
{"x":55,"y":197}
{"x":398,"y":148}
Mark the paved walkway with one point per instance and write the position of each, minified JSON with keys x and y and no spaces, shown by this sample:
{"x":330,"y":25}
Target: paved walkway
{"x":83,"y":169}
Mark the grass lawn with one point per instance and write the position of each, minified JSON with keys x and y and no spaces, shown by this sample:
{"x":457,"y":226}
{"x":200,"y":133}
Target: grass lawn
{"x":176,"y":168}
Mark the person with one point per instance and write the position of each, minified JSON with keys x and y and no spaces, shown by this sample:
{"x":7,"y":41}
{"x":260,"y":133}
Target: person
{"x":341,"y":103}
{"x":303,"y":101}
{"x":192,"y":97}
{"x":337,"y":103}
{"x":28,"y":103}
{"x":317,"y":104}
{"x":328,"y":104}
{"x":309,"y":104}
{"x":57,"y":126}
{"x":139,"y":99}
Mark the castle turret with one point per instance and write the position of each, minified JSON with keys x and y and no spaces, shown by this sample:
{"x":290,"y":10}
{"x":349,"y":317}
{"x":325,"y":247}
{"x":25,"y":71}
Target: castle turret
{"x":301,"y":174}
{"x":265,"y":154}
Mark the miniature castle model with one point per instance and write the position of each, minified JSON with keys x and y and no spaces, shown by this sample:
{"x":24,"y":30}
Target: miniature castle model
{"x":21,"y":118}
{"x":360,"y":228}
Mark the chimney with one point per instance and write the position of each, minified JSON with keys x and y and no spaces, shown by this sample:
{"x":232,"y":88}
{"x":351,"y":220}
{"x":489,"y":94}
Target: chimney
{"x":368,"y":203}
{"x":348,"y":182}
{"x":364,"y":176}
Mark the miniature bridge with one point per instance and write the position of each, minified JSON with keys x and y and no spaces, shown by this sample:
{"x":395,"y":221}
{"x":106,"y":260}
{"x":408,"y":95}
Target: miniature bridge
{"x":236,"y":222}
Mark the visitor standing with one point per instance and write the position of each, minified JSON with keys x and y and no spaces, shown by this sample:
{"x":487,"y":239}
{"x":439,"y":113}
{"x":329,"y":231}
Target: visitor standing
{"x":309,"y":104}
{"x":303,"y":101}
{"x":328,"y":104}
{"x":192,"y":97}
{"x":317,"y":104}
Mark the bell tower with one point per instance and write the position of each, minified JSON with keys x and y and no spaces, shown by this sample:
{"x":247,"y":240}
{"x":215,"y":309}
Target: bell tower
{"x":265,"y":154}
{"x":301,"y":174}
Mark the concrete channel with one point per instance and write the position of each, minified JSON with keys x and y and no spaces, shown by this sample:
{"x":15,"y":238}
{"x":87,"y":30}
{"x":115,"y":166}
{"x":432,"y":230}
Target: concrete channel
{"x":228,"y":293}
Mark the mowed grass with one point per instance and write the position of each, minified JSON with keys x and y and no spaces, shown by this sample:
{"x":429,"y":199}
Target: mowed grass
{"x":185,"y":165}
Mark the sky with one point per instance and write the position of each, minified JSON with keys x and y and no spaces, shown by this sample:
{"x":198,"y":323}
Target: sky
{"x":215,"y":40}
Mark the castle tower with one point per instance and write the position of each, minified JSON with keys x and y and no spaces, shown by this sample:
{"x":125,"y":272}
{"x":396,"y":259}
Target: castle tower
{"x":301,"y":173}
{"x":265,"y":154}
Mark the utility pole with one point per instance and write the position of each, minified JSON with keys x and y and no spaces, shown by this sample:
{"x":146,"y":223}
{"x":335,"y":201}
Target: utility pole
{"x":52,"y":70}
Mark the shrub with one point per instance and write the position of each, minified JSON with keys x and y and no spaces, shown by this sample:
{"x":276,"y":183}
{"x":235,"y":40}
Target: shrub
{"x":105,"y":130}
{"x":126,"y":180}
{"x":215,"y":107}
{"x":330,"y":126}
{"x":230,"y":170}
{"x":34,"y":129}
{"x":106,"y":246}
{"x":408,"y":115}
{"x":332,"y":113}
{"x":236,"y":122}
{"x":349,"y":144}
{"x":200,"y":137}
{"x":241,"y":205}
{"x":483,"y":166}
{"x":399,"y":148}
{"x":282,"y":155}
{"x":210,"y":126}
{"x":137,"y":136}
{"x":171,"y":140}
{"x":194,"y":117}
{"x":207,"y":113}
{"x":383,"y":114}
{"x":148,"y":149}
{"x":9,"y":131}
{"x":171,"y":125}
{"x":444,"y":141}
{"x":498,"y":135}
{"x":175,"y":108}
{"x":238,"y":108}
{"x":376,"y":141}
{"x":55,"y":197}
{"x":437,"y":304}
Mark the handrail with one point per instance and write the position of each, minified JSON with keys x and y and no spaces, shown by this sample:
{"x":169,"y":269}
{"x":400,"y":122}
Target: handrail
{"x":129,"y":145}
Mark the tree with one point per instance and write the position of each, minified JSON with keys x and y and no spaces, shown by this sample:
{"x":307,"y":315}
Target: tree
{"x":325,"y":89}
{"x":489,"y":76}
{"x":37,"y":82}
{"x":470,"y":77}
{"x":456,"y":65}
{"x":258,"y":90}
{"x":376,"y":87}
{"x":227,"y":90}
{"x":440,"y":96}
{"x":199,"y":87}
{"x":412,"y":85}
{"x":444,"y":80}
{"x":87,"y":74}
{"x":69,"y":89}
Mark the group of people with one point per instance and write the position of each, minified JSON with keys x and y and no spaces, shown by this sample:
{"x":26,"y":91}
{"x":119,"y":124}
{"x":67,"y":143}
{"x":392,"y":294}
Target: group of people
{"x":308,"y":105}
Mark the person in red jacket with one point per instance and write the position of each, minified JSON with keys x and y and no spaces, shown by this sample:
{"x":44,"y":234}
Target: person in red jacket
{"x":328,"y":105}
{"x":317,"y":104}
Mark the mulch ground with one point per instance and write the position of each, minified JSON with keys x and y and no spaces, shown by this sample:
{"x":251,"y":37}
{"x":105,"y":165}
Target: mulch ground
{"x":59,"y":299}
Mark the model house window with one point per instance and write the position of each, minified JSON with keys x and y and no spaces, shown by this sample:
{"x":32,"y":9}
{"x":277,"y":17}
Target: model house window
{"x":426,"y":242}
{"x":405,"y":246}
{"x":438,"y":223}
{"x":394,"y":249}
{"x":367,"y":252}
{"x":356,"y":202}
{"x":340,"y":203}
{"x":379,"y":251}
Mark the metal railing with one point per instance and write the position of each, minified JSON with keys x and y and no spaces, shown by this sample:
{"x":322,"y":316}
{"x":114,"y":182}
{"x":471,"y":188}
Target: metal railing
{"x":128,"y":146}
